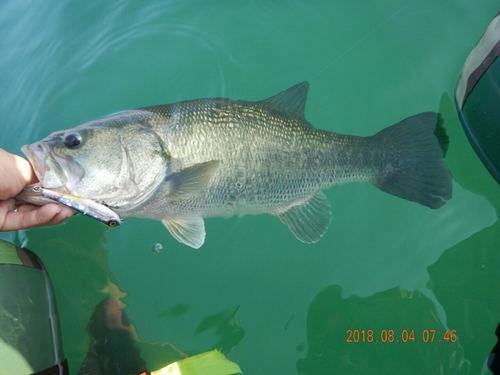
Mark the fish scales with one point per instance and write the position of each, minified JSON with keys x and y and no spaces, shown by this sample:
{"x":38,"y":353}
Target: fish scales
{"x":270,"y":159}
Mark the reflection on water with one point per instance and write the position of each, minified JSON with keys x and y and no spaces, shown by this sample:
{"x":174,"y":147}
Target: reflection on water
{"x":466,"y":277}
{"x":462,"y":282}
{"x":250,"y":288}
{"x":176,"y":310}
{"x":79,"y":270}
{"x":227,"y":329}
{"x":92,"y":303}
{"x":391,"y":332}
{"x":115,"y":346}
{"x":112,"y":350}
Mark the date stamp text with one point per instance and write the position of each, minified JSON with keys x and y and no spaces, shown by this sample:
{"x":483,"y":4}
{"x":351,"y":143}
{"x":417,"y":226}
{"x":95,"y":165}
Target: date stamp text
{"x":405,"y":335}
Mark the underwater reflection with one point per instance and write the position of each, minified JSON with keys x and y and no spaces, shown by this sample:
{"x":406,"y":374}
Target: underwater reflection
{"x":226,"y":328}
{"x":112,"y":349}
{"x":466,"y":282}
{"x":494,"y":357}
{"x":391,"y":332}
{"x":115,"y":347}
{"x":92,"y":304}
{"x":466,"y":277}
{"x":78,"y":267}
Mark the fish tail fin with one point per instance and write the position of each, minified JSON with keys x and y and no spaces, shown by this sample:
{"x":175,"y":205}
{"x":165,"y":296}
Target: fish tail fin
{"x":414,"y":167}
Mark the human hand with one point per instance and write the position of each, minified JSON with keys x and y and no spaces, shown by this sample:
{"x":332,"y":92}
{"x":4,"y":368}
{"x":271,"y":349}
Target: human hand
{"x":15,"y":174}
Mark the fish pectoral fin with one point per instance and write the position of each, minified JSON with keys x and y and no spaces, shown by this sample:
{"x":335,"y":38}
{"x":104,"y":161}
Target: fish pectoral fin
{"x":310,"y":220}
{"x":190,"y":232}
{"x":190,"y":181}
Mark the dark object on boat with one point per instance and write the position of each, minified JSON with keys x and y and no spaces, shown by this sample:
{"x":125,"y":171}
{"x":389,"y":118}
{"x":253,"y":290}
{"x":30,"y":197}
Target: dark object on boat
{"x":478,"y":98}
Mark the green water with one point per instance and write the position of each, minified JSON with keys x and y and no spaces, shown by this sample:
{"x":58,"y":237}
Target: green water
{"x":271,"y":303}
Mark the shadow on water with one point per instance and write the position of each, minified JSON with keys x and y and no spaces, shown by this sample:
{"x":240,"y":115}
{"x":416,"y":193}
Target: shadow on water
{"x":96,"y":330}
{"x":391,"y":332}
{"x":466,"y":282}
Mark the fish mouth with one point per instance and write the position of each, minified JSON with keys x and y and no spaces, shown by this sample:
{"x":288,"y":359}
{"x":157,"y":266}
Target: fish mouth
{"x":47,"y":169}
{"x":38,"y":164}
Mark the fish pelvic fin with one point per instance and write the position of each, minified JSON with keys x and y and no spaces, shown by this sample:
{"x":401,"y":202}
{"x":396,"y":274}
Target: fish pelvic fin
{"x":190,"y":232}
{"x":310,"y":220}
{"x":414,"y":166}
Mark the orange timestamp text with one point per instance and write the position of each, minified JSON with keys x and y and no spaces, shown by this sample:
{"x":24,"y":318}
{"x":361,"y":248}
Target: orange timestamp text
{"x":405,"y":335}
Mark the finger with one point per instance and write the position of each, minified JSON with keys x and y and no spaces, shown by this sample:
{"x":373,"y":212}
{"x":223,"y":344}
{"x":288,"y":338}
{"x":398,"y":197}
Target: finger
{"x":52,"y":213}
{"x":59,"y":217}
{"x":16,"y":173}
{"x":6,"y":206}
{"x":31,"y":216}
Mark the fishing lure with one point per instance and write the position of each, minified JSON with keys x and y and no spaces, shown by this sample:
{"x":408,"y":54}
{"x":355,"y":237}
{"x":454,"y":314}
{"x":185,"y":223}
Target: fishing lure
{"x":87,"y":207}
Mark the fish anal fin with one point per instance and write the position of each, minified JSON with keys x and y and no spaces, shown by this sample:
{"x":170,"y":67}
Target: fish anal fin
{"x":293,"y":99}
{"x":310,"y":220}
{"x":190,"y":232}
{"x":190,"y":181}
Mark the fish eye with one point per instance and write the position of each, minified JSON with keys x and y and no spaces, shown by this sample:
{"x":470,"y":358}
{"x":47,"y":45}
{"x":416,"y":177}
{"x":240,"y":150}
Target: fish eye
{"x":72,"y":140}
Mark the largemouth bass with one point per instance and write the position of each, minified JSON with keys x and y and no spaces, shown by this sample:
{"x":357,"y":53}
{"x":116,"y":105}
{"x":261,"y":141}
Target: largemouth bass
{"x":190,"y":160}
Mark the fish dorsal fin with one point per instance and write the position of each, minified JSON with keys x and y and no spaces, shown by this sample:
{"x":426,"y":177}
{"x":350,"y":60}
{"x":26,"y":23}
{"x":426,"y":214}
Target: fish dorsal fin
{"x":310,"y":220}
{"x":293,"y":99}
{"x":190,"y":232}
